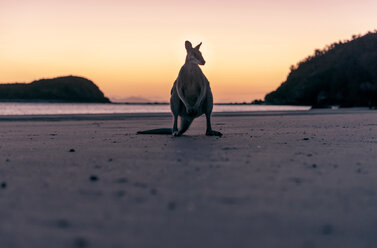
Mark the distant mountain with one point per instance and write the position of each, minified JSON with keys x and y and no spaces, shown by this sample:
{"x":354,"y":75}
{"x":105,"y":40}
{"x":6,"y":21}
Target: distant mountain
{"x":60,"y":89}
{"x":133,"y":99}
{"x":344,"y":74}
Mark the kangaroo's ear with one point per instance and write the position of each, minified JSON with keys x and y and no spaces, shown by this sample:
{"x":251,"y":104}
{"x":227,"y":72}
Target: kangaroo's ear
{"x":188,"y":45}
{"x":198,"y":46}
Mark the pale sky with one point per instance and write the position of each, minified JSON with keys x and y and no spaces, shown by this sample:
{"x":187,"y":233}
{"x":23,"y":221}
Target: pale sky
{"x":136,"y":48}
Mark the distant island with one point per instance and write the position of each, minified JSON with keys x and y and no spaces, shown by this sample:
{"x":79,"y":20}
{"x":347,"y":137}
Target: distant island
{"x":342,"y":74}
{"x":60,"y":89}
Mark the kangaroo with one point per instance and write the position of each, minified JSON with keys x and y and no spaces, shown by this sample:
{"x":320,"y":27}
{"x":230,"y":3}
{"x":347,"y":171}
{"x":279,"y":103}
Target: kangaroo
{"x":191,"y":96}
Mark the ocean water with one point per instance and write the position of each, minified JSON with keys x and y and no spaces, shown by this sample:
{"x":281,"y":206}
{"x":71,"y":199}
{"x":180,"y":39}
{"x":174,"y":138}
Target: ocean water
{"x":93,"y":108}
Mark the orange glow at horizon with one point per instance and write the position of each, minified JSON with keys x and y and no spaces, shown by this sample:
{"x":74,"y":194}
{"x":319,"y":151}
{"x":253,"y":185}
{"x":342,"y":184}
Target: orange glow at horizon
{"x":136,"y":49}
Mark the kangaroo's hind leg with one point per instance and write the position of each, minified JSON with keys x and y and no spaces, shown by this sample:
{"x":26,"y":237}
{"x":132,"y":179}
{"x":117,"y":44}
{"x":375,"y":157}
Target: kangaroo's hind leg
{"x":175,"y":125}
{"x":175,"y":106}
{"x":185,"y":124}
{"x":210,"y":131}
{"x":208,"y":105}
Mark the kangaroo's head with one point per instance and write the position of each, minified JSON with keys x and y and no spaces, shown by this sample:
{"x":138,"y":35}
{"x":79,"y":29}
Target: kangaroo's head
{"x":193,"y":54}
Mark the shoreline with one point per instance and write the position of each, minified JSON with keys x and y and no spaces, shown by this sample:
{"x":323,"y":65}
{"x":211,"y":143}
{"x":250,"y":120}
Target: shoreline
{"x":125,"y":116}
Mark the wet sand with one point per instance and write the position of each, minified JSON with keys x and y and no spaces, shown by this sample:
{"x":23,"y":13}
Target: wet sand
{"x":277,"y":179}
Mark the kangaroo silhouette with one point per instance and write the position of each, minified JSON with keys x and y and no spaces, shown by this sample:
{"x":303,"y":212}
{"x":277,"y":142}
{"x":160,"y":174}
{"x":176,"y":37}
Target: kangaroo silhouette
{"x":191,"y":96}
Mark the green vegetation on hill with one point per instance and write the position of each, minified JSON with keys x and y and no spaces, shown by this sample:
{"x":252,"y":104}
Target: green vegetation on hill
{"x":60,"y":89}
{"x":344,"y":74}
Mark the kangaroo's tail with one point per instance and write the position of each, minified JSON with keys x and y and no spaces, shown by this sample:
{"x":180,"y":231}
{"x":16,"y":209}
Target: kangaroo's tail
{"x":157,"y":131}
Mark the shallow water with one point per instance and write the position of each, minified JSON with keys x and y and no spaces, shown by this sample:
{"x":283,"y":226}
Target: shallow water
{"x":93,"y":108}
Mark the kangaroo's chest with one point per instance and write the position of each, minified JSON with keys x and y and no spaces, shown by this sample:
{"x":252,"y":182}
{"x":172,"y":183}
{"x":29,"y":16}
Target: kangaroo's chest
{"x":192,"y":87}
{"x":192,"y":90}
{"x":192,"y":82}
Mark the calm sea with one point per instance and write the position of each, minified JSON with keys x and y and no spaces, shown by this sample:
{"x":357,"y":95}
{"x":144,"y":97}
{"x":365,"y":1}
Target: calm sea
{"x":83,"y":108}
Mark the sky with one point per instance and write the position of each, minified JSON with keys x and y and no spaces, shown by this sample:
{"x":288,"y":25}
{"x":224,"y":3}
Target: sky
{"x":136,"y":48}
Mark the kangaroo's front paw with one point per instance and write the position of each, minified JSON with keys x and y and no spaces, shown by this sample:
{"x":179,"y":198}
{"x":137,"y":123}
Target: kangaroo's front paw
{"x":175,"y":133}
{"x":213,"y":133}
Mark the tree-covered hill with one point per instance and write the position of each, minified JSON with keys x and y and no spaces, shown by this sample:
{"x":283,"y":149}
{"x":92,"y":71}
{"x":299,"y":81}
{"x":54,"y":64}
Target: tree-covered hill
{"x":60,"y":89}
{"x":343,"y":73}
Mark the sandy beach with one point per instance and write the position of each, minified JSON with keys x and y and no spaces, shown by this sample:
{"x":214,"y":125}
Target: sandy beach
{"x":275,"y":179}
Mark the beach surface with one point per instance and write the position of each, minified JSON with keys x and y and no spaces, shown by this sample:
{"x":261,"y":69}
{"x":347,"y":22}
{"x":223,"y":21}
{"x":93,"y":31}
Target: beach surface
{"x":275,"y":179}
